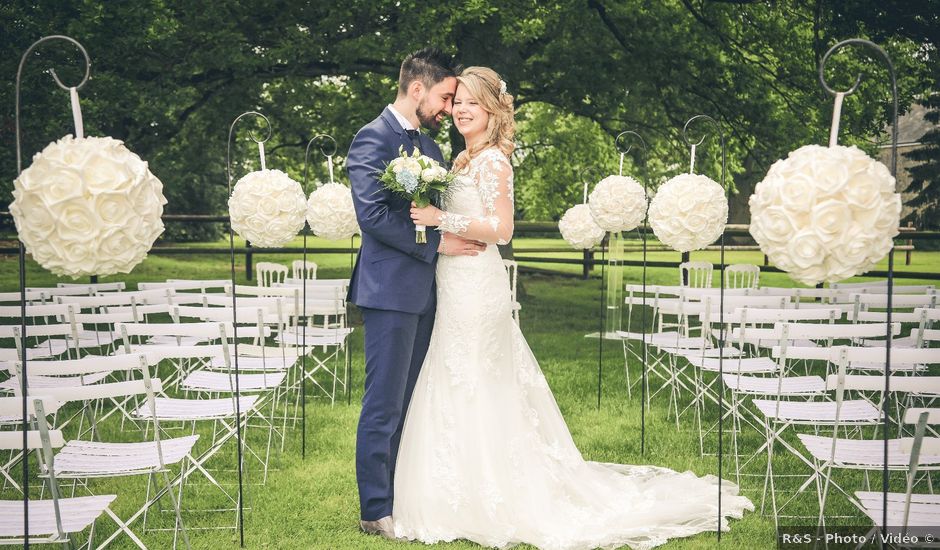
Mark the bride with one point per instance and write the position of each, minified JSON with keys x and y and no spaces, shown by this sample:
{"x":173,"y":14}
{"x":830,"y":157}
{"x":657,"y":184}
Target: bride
{"x":485,"y":454}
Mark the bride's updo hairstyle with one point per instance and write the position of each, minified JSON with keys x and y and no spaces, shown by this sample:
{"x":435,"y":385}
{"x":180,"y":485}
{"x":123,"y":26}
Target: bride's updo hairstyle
{"x":490,"y":92}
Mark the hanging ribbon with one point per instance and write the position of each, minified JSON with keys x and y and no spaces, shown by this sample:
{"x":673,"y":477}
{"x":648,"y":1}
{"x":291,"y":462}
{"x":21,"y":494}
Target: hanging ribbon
{"x":621,"y":162}
{"x":329,"y":165}
{"x":692,"y":160}
{"x":76,"y":113}
{"x":585,"y":193}
{"x":836,"y":115}
{"x":261,"y":153}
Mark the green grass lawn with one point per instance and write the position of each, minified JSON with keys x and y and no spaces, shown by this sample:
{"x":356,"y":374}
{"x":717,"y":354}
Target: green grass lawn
{"x":313,"y":503}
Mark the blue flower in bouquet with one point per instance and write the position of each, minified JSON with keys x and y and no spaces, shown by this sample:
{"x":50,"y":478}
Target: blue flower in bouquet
{"x":407,"y":180}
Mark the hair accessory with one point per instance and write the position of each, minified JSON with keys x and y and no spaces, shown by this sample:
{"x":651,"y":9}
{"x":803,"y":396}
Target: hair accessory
{"x":502,"y":86}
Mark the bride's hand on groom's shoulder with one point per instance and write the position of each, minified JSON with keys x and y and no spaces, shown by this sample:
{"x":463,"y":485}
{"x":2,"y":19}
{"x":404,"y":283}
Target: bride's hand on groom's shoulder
{"x":455,"y":245}
{"x":430,"y":215}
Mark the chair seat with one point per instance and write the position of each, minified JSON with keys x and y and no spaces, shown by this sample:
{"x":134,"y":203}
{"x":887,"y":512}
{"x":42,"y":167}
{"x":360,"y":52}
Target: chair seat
{"x":38,"y":382}
{"x":97,"y":459}
{"x":865,"y":454}
{"x":650,"y":336}
{"x":764,"y":385}
{"x":76,"y":513}
{"x":221,"y":381}
{"x":924,"y":512}
{"x":266,"y":364}
{"x":857,"y":411}
{"x":879,"y":366}
{"x":169,"y":408}
{"x":734,"y":364}
{"x":331,"y":337}
{"x":173,"y":341}
{"x":903,"y":342}
{"x":766,"y":343}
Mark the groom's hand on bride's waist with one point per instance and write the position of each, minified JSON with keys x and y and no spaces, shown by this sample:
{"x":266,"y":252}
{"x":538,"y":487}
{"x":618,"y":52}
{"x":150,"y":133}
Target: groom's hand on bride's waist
{"x":455,"y":245}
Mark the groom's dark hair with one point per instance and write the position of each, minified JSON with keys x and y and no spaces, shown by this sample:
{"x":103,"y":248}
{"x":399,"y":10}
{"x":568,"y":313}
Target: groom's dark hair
{"x":427,"y":65}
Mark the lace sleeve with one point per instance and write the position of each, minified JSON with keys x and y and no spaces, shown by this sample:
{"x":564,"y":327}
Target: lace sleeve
{"x":493,"y":176}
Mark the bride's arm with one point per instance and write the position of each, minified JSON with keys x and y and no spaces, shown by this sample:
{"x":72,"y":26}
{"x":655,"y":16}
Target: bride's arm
{"x":496,"y":191}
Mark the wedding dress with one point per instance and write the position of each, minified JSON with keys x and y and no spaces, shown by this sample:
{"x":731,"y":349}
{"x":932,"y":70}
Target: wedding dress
{"x":486,"y":455}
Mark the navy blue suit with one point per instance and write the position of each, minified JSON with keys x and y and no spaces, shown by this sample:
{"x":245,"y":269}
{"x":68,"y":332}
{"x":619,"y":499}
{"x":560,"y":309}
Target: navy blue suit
{"x":393,"y":284}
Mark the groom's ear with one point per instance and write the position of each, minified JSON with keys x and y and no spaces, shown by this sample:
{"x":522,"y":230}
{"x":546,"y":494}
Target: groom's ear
{"x":415,"y":89}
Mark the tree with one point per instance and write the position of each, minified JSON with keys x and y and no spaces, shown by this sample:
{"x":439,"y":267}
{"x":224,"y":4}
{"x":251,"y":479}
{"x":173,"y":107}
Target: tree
{"x":169,"y":76}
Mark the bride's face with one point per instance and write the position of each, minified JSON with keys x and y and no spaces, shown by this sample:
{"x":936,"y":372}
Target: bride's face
{"x":469,"y":117}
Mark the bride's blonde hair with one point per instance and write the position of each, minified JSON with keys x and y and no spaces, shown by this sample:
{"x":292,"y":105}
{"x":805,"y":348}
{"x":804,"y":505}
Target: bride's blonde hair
{"x":490,"y":92}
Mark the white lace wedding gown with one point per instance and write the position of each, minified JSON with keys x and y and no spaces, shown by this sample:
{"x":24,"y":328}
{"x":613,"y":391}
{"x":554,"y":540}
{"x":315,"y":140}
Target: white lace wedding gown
{"x":486,"y":455}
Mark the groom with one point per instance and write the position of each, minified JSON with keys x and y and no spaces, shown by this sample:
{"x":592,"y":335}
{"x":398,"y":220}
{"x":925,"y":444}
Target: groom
{"x":393,"y":281}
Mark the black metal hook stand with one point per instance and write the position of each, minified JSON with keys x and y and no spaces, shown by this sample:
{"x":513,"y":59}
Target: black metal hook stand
{"x":624,"y":147}
{"x":721,"y":292}
{"x":327,"y":146}
{"x":886,"y":401}
{"x":584,"y":174}
{"x":231,"y":242}
{"x":22,"y":254}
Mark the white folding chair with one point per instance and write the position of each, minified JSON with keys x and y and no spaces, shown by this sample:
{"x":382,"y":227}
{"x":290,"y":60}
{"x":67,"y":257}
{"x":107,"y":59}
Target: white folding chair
{"x":742,"y":276}
{"x":696,"y":274}
{"x":304,"y":270}
{"x":269,"y":273}
{"x":53,"y":520}
{"x":84,"y":460}
{"x":908,"y":509}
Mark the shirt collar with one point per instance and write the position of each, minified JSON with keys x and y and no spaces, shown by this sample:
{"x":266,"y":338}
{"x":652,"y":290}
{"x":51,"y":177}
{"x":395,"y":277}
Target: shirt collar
{"x":404,"y":122}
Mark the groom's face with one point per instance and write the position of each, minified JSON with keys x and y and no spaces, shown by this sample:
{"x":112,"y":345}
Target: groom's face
{"x":436,"y":103}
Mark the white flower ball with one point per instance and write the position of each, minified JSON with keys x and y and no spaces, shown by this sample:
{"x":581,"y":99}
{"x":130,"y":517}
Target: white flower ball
{"x":825,"y":213}
{"x":689,"y":212}
{"x":578,"y":227}
{"x":88,"y":206}
{"x":618,"y":203}
{"x":330,"y":212}
{"x":267,"y":208}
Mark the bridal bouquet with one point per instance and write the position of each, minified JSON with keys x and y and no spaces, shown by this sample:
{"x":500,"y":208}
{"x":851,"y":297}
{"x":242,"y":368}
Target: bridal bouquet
{"x":417,"y":178}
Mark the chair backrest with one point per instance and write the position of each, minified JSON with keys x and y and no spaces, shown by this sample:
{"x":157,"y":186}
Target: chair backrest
{"x":696,"y":274}
{"x":201,"y":285}
{"x":97,"y":287}
{"x":512,"y":268}
{"x":12,"y":407}
{"x":304,"y":270}
{"x":897,"y":300}
{"x":269,"y":273}
{"x":33,"y":311}
{"x":90,"y":364}
{"x":139,"y":297}
{"x":742,"y":276}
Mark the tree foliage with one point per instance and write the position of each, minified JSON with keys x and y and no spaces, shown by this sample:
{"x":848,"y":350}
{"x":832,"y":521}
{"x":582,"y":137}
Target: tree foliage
{"x":169,"y":76}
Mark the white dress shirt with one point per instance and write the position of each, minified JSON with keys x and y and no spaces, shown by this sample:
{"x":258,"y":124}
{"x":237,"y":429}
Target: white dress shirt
{"x":405,"y":123}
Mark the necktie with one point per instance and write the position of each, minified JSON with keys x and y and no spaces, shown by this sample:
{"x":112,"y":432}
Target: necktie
{"x":413,"y":134}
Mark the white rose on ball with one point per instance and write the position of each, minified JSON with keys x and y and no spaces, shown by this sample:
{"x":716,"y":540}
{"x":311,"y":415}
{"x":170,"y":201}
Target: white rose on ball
{"x":330,"y":212}
{"x":618,"y":203}
{"x":824,"y":214}
{"x":689,"y":212}
{"x":578,"y":227}
{"x":267,"y":208}
{"x":75,"y":206}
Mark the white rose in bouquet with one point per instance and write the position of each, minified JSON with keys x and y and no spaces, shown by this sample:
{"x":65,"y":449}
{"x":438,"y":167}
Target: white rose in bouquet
{"x":88,"y":206}
{"x":330,"y":212}
{"x":689,"y":212}
{"x":578,"y":227}
{"x":267,"y":208}
{"x":824,"y":214}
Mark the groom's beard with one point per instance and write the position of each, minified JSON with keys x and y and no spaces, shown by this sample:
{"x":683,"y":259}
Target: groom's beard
{"x":427,"y":118}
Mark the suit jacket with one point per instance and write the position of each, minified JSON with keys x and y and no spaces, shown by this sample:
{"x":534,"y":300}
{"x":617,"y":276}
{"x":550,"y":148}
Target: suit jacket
{"x":392,"y":272}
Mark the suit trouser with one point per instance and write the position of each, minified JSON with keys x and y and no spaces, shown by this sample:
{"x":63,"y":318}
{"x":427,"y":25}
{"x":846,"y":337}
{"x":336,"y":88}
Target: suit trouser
{"x":395,"y":346}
